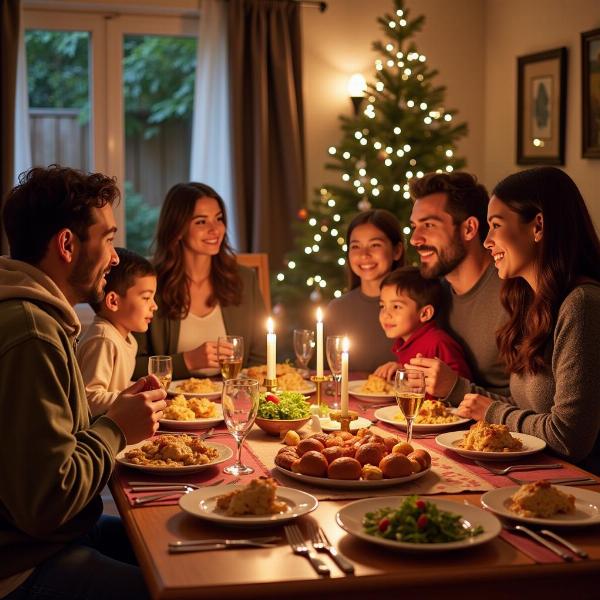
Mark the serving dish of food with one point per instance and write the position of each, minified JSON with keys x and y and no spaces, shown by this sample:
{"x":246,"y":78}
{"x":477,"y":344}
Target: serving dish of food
{"x":542,"y":503}
{"x":169,"y":454}
{"x":261,"y":502}
{"x":344,"y":460}
{"x":485,"y":441}
{"x":412,"y":524}
{"x":282,"y":411}
{"x":194,"y":387}
{"x":433,"y":416}
{"x":189,"y":414}
{"x":372,"y":389}
{"x":289,"y":378}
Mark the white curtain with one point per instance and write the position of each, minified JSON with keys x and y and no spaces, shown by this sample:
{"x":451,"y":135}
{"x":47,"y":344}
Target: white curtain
{"x":211,"y":140}
{"x":22,"y":148}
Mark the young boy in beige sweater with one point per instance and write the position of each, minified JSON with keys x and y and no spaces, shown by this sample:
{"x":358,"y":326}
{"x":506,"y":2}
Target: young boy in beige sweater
{"x":107,"y":351}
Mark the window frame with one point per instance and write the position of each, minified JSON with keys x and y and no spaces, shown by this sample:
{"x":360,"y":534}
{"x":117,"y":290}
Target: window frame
{"x":107,"y":31}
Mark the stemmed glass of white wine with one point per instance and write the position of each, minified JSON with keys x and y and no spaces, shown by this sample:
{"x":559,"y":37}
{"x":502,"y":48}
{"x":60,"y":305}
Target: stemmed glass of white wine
{"x":162,"y":367}
{"x":240,"y":405}
{"x":409,"y":387}
{"x":334,"y":349}
{"x":304,"y":345}
{"x":230,"y":353}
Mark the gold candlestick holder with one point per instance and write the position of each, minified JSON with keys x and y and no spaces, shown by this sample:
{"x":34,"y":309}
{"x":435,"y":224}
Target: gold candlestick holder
{"x":270,"y":384}
{"x":343,"y":420}
{"x":319,"y":381}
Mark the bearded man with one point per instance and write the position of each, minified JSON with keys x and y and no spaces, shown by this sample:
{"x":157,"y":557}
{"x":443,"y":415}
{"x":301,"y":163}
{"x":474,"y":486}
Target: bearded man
{"x":55,"y":461}
{"x":449,"y":221}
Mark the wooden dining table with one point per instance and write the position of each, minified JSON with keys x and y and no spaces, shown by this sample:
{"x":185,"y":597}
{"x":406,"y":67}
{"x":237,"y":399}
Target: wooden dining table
{"x":493,"y":570}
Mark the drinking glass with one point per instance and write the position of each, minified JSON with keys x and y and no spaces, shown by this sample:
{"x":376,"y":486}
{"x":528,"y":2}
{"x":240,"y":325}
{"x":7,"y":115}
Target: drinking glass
{"x":240,"y":405}
{"x":162,"y":367}
{"x":409,"y":387}
{"x":333,"y":349}
{"x":304,"y":345}
{"x":230,"y":353}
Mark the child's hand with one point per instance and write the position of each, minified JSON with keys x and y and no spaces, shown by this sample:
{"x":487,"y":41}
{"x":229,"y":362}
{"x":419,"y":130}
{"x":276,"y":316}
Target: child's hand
{"x":439,"y":377}
{"x":387,"y":370}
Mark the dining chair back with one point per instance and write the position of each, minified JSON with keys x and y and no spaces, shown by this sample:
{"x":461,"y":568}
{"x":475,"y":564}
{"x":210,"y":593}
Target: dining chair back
{"x":260,"y":262}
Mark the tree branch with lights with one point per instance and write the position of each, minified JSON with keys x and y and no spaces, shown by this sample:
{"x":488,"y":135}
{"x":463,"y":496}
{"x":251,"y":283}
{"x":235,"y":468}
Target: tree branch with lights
{"x":402,"y":130}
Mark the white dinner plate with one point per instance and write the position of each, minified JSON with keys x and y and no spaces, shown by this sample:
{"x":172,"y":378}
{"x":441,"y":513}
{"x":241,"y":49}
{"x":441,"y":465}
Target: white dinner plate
{"x":203,"y":503}
{"x":531,"y":445}
{"x":351,"y":484}
{"x":193,"y":424}
{"x":355,"y":389}
{"x":308,"y":388}
{"x":175,"y":392}
{"x":358,"y":423}
{"x":224,"y":453}
{"x":587,"y":507}
{"x":387,"y":414}
{"x":350,"y":518}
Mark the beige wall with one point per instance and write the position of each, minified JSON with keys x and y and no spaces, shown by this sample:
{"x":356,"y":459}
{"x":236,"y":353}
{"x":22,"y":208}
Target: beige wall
{"x":515,"y":28}
{"x":337,"y":43}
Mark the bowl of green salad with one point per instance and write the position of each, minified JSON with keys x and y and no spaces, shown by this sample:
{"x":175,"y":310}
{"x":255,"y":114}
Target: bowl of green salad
{"x":282,"y":411}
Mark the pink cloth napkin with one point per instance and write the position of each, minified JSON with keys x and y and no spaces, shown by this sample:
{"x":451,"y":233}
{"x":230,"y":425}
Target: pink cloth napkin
{"x":125,"y":474}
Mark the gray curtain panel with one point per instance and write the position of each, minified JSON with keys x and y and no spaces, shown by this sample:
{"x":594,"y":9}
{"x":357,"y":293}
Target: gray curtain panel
{"x":267,"y":122}
{"x":9,"y":43}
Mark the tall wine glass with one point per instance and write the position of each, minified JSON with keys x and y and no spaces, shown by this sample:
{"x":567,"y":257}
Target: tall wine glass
{"x":409,"y":387}
{"x":304,"y":345}
{"x":333,"y":349}
{"x":230,"y":352}
{"x":240,"y":405}
{"x":162,"y":367}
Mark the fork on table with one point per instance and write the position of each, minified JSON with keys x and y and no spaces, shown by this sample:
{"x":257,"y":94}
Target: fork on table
{"x":559,"y":480}
{"x":508,"y":470}
{"x":296,"y":541}
{"x":181,"y":490}
{"x":155,"y":486}
{"x":321,"y":543}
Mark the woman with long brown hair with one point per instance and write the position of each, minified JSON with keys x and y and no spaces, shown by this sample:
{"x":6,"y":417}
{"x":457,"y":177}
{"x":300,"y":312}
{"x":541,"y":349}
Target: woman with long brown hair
{"x":545,"y":246}
{"x":202,"y":291}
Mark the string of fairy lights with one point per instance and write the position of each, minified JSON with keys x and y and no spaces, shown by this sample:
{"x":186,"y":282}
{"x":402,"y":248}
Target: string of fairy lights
{"x":357,"y":173}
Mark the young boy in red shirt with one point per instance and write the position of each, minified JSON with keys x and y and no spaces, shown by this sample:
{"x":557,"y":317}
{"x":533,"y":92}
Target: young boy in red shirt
{"x":408,"y":304}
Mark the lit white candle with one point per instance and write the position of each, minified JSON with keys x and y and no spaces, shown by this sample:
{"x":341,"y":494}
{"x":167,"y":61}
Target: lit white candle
{"x":319,"y":342}
{"x":271,"y":350}
{"x":344,"y":396}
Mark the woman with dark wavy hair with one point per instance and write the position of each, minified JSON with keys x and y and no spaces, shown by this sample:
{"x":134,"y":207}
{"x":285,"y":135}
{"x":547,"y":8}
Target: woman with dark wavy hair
{"x":545,"y":246}
{"x":202,"y":291}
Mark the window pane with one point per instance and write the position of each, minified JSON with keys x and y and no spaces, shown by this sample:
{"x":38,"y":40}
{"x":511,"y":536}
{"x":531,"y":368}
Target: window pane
{"x":59,"y":97}
{"x":158,"y":79}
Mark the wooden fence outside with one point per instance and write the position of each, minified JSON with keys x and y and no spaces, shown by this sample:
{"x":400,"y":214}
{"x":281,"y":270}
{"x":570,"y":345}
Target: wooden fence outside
{"x":152,"y":165}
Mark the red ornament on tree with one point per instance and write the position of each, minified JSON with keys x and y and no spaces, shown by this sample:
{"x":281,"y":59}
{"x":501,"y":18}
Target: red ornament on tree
{"x":302,"y":214}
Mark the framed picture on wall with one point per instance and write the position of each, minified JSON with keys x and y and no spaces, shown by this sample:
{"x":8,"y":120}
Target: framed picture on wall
{"x":541,"y":107}
{"x":590,"y":94}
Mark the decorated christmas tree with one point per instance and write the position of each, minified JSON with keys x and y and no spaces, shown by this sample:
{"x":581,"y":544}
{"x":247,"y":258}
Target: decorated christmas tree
{"x":403,"y":130}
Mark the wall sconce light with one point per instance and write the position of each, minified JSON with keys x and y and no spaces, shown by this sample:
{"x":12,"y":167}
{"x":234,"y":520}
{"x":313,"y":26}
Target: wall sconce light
{"x":357,"y":86}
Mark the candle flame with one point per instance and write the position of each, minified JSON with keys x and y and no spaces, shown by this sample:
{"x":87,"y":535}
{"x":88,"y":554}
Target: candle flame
{"x":345,"y":344}
{"x":269,"y":325}
{"x":319,"y":315}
